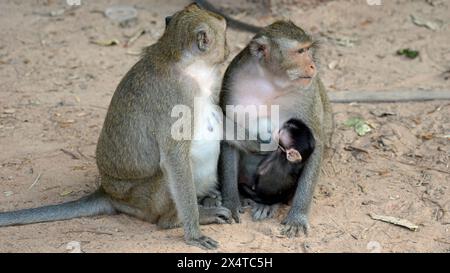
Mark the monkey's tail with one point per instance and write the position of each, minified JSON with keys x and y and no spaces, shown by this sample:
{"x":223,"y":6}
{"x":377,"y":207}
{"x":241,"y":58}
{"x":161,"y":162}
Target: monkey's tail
{"x":231,"y":22}
{"x":97,"y":203}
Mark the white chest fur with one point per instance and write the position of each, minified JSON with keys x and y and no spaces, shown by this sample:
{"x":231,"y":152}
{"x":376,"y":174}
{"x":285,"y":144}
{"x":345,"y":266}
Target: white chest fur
{"x":207,"y":131}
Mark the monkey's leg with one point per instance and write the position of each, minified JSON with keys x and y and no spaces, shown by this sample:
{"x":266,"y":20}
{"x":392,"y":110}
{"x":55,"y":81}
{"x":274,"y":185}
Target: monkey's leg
{"x":228,"y":177}
{"x":180,"y":178}
{"x":297,"y":218}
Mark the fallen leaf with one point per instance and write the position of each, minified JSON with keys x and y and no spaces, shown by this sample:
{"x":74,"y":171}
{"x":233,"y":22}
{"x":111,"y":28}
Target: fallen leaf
{"x":66,"y":192}
{"x":359,"y":125}
{"x":79,"y":168}
{"x":394,"y":220}
{"x":346,"y":41}
{"x":433,"y":25}
{"x":333,"y":65}
{"x":409,"y":53}
{"x":8,"y":193}
{"x":9,"y":111}
{"x":66,"y":123}
{"x":427,"y":136}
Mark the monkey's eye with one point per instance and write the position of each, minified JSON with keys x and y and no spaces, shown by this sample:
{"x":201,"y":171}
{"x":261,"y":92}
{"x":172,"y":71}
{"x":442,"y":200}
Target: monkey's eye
{"x":302,"y":50}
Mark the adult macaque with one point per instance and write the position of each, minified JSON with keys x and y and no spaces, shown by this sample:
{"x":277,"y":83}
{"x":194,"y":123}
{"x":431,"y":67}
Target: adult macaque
{"x":144,"y":171}
{"x":277,"y":68}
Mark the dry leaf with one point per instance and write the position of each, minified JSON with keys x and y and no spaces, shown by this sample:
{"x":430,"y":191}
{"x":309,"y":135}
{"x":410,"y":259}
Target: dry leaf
{"x":333,"y":64}
{"x":9,"y":111}
{"x":8,"y":193}
{"x":66,"y":192}
{"x":427,"y":136}
{"x":433,"y":25}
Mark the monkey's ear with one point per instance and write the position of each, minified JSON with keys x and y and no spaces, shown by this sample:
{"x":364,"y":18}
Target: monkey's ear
{"x":259,"y":47}
{"x":168,"y":18}
{"x":203,"y":40}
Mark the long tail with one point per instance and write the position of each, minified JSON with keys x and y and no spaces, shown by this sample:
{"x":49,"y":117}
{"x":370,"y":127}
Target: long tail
{"x":97,"y":203}
{"x":236,"y":24}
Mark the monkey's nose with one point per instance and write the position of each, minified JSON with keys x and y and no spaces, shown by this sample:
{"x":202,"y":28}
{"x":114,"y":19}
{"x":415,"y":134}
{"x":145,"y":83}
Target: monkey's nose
{"x":311,"y":70}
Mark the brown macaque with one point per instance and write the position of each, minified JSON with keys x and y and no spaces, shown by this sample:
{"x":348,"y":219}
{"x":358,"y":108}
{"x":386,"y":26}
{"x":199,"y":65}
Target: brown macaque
{"x":144,"y":171}
{"x":277,"y":68}
{"x":276,"y":176}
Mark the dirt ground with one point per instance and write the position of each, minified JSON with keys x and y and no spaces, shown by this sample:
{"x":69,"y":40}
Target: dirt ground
{"x":55,"y":86}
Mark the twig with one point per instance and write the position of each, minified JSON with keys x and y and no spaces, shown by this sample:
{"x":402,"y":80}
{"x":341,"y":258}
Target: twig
{"x":89,"y":231}
{"x":415,"y":165}
{"x":134,"y":37}
{"x":79,"y":151}
{"x":35,"y":181}
{"x":343,"y":229}
{"x":74,"y":156}
{"x":395,"y":221}
{"x":353,"y":148}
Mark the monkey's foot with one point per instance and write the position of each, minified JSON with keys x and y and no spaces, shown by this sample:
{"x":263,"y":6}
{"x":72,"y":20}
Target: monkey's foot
{"x":235,"y":208}
{"x":261,"y":211}
{"x":294,"y":225}
{"x":203,"y":242}
{"x":214,"y":215}
{"x":214,"y":199}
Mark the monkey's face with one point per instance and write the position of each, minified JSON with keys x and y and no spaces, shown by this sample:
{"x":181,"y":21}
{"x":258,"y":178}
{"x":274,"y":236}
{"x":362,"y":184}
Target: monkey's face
{"x":199,"y":33}
{"x":287,"y":52}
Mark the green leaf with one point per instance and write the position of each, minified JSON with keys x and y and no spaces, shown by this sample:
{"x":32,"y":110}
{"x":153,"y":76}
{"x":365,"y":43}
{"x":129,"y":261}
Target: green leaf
{"x":409,"y":53}
{"x":359,"y":125}
{"x":362,"y":129}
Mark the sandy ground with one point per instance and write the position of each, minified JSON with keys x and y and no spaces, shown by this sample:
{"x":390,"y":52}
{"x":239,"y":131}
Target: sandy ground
{"x":55,"y":86}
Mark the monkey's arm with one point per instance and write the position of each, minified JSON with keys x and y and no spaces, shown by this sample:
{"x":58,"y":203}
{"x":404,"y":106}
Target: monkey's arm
{"x":228,"y":177}
{"x":250,"y":145}
{"x":176,"y":163}
{"x":387,"y":96}
{"x":297,"y":217}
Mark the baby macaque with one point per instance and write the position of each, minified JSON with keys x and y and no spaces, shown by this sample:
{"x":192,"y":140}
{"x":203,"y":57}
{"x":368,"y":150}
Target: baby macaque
{"x":276,"y":177}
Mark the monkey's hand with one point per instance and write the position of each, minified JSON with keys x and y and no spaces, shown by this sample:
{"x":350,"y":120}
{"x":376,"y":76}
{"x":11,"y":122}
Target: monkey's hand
{"x":214,"y":215}
{"x":294,"y":224}
{"x":262,"y":211}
